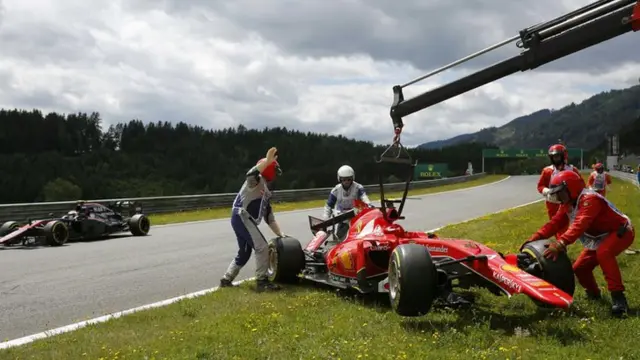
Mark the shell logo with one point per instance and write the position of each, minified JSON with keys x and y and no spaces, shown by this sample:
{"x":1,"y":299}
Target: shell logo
{"x":510,"y":268}
{"x":345,"y":258}
{"x":359,"y":226}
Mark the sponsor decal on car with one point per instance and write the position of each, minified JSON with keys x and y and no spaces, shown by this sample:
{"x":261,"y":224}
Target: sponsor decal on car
{"x":379,"y":247}
{"x":471,"y":245}
{"x":347,"y":260}
{"x":441,"y":249}
{"x":510,"y":268}
{"x":343,"y":279}
{"x":526,"y":276}
{"x":358,"y":226}
{"x":541,"y":283}
{"x":501,"y":278}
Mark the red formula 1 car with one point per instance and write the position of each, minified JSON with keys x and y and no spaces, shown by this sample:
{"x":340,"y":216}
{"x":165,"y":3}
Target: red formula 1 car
{"x":88,"y":220}
{"x":51,"y":232}
{"x":413,"y":267}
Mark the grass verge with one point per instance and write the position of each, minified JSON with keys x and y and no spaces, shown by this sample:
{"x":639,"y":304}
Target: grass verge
{"x":218,"y":213}
{"x":306,"y":322}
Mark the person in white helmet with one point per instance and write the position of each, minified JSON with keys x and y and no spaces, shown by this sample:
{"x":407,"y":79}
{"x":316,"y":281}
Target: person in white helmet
{"x":342,"y":197}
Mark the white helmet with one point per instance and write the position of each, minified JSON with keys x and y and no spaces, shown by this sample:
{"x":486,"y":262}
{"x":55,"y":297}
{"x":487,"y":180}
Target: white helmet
{"x":346,"y":171}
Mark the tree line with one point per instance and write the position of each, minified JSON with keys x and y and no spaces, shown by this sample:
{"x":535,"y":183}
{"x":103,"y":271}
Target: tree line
{"x":57,"y":157}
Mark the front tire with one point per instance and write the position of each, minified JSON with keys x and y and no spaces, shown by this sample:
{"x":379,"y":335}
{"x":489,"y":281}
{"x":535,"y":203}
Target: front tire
{"x":413,"y":280}
{"x":56,"y":233}
{"x":8,"y":227}
{"x":559,"y":273}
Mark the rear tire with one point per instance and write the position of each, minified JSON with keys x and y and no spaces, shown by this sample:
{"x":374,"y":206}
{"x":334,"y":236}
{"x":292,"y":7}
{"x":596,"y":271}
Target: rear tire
{"x":413,"y":280}
{"x":286,"y":259}
{"x":56,"y":233}
{"x":139,"y":225}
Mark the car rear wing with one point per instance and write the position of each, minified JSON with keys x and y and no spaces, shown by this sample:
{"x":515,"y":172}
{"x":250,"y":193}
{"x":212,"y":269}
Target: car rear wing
{"x":126,"y":207}
{"x":317,"y":224}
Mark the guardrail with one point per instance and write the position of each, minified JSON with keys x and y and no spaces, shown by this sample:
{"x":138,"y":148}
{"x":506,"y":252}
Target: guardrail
{"x":171,"y":204}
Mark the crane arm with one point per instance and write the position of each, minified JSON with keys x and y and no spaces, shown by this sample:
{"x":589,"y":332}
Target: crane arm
{"x":543,"y":43}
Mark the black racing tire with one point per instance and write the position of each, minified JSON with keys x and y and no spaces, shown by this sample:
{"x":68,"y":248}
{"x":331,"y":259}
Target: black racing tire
{"x":139,"y":225}
{"x":8,"y":227}
{"x":557,"y":272}
{"x":286,"y":259}
{"x":55,"y":233}
{"x":413,"y":280}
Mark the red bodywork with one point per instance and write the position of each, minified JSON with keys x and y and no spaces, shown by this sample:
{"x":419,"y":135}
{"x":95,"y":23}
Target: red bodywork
{"x":371,"y":240}
{"x":635,"y":17}
{"x":17,"y":235}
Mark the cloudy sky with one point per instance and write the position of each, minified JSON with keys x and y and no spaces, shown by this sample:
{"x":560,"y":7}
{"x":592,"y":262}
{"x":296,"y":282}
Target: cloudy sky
{"x":312,"y":65}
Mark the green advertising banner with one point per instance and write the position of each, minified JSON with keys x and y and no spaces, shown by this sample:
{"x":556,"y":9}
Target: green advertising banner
{"x":523,"y":153}
{"x":424,"y":171}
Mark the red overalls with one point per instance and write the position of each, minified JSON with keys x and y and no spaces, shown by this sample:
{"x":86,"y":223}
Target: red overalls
{"x":596,"y":222}
{"x":599,"y":182}
{"x":543,"y":182}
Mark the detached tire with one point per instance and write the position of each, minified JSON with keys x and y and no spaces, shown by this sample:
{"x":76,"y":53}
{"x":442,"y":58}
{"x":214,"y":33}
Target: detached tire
{"x":413,"y":280}
{"x":559,"y":272}
{"x":56,"y":233}
{"x":139,"y":225}
{"x":286,"y":259}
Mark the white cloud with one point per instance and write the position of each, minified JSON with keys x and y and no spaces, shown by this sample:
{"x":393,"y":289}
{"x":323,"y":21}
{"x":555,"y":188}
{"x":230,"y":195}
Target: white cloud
{"x":203,"y":68}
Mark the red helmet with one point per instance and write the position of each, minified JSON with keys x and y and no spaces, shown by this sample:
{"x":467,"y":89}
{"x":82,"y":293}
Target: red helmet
{"x":567,"y":180}
{"x":599,"y":167}
{"x":558,"y":154}
{"x":269,"y":173}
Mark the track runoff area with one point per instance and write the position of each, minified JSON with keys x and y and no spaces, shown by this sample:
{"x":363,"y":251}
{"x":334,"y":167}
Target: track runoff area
{"x":89,"y":279}
{"x":509,"y":323}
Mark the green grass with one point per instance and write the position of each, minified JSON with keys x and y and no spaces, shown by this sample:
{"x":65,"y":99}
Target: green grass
{"x":217,"y":213}
{"x":307,"y":322}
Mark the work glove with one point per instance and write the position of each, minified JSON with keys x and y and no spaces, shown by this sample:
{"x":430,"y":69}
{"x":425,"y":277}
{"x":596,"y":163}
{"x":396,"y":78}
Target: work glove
{"x":272,"y":155}
{"x":545,"y":191}
{"x":553,"y":198}
{"x":553,"y":249}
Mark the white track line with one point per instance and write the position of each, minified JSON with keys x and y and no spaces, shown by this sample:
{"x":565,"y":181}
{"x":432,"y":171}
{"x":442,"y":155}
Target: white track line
{"x":493,"y":213}
{"x":104,"y":318}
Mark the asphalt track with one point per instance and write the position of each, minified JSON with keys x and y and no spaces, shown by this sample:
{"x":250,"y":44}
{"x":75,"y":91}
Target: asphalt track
{"x":45,"y":288}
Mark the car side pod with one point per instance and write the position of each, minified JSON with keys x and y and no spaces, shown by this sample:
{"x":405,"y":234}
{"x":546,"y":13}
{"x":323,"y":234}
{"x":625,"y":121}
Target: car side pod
{"x":364,"y":285}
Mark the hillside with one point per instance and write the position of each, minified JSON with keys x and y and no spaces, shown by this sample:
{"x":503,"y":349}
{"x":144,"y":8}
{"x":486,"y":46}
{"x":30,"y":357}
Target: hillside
{"x":66,"y":157}
{"x":586,"y":123}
